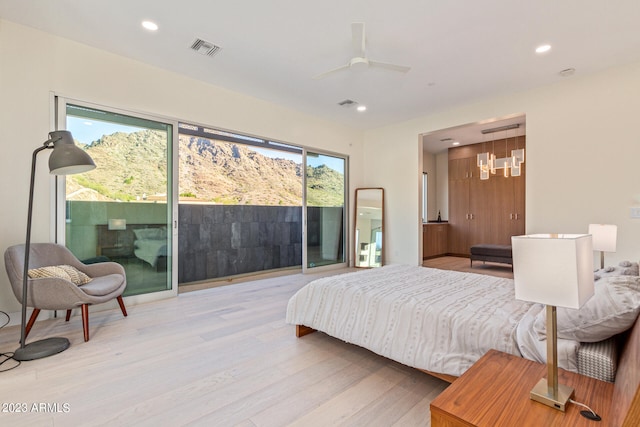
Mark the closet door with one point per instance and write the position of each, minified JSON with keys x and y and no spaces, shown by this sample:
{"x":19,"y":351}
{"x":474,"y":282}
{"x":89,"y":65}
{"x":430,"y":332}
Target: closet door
{"x":517,"y":223}
{"x":480,"y":211}
{"x":515,"y":195}
{"x":508,"y":201}
{"x":458,"y":206}
{"x":458,"y":216}
{"x":502,"y":209}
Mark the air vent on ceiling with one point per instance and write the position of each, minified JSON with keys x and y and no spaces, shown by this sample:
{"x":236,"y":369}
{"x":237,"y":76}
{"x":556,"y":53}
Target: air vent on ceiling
{"x":347,"y":103}
{"x":446,"y":139}
{"x":205,"y":48}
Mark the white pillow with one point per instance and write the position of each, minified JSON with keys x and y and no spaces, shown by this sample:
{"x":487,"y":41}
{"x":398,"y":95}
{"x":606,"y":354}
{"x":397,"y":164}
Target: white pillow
{"x":624,"y":268}
{"x":66,"y":272}
{"x":611,"y":310}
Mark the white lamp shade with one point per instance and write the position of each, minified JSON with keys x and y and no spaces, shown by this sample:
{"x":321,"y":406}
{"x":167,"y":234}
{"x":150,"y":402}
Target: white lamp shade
{"x":117,"y":224}
{"x":604,"y":237}
{"x":553,"y":269}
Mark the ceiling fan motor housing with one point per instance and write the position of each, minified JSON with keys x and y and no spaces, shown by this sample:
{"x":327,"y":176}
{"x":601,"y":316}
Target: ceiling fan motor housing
{"x":359,"y":62}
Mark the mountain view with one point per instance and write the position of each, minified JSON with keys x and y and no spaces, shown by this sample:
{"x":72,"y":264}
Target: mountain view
{"x":132,"y":166}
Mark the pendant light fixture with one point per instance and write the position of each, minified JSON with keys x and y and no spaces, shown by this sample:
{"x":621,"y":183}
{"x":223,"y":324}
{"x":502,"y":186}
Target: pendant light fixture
{"x":488,"y":163}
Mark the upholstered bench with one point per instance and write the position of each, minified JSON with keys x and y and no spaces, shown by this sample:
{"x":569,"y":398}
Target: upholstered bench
{"x":493,"y":253}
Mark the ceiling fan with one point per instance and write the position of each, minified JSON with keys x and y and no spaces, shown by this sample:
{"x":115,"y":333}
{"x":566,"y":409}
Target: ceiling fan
{"x":360,"y":59}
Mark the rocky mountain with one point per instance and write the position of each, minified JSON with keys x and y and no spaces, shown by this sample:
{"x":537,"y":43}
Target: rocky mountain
{"x":129,"y":166}
{"x":133,"y":167}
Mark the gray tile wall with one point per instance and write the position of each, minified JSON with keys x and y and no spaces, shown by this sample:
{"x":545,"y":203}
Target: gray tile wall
{"x":218,"y":240}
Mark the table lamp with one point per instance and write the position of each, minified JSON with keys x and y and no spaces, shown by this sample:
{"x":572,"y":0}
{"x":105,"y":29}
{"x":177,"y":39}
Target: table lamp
{"x":555,"y":270}
{"x":604,"y":239}
{"x":65,"y":159}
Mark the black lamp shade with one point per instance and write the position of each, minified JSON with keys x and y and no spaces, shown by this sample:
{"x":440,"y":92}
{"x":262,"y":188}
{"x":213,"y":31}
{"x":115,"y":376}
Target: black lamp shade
{"x":67,"y":158}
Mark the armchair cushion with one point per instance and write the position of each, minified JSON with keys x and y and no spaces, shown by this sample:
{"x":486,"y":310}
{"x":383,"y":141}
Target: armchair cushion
{"x":66,"y":272}
{"x":104,"y":285}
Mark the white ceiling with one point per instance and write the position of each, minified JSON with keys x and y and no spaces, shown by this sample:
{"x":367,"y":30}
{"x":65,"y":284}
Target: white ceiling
{"x":458,"y":51}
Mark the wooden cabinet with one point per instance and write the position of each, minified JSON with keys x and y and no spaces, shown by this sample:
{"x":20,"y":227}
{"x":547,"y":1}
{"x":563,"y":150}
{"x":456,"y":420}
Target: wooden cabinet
{"x":458,"y":216}
{"x":508,"y":203}
{"x":483,"y":211}
{"x":462,"y":169}
{"x":480,"y":213}
{"x":435,"y":239}
{"x":495,"y":392}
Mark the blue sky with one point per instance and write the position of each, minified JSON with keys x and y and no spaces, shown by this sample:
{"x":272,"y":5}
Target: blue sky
{"x":334,"y":163}
{"x":87,"y":131}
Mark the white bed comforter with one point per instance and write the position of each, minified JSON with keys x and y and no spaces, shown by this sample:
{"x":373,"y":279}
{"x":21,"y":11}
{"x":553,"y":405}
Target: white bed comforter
{"x":150,"y":250}
{"x":437,"y":320}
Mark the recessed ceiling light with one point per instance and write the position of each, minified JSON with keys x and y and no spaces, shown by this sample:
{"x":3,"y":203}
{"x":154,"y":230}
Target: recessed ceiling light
{"x":543,"y":48}
{"x":151,"y":26}
{"x":361,"y":108}
{"x":456,"y":143}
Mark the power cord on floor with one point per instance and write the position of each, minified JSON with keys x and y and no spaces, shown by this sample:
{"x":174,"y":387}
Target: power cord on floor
{"x":590,"y":414}
{"x":5,"y":357}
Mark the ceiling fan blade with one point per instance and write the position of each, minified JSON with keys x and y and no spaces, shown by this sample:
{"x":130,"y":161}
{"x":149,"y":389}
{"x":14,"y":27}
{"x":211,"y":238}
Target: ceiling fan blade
{"x":357,"y":36}
{"x":394,"y":67}
{"x":326,"y":73}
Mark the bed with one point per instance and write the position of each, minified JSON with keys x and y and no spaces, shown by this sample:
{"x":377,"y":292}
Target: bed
{"x":150,"y":244}
{"x":442,"y":321}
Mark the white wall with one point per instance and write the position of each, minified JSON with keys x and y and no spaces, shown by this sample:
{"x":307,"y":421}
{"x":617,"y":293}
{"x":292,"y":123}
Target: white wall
{"x":582,"y":159}
{"x":34,"y":64}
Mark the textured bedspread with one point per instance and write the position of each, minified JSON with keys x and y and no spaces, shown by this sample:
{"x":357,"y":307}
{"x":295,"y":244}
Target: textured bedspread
{"x":150,"y":250}
{"x":441,"y":321}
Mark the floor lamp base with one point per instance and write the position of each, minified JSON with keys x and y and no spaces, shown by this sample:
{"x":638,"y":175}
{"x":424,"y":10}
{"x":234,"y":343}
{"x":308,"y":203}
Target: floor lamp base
{"x":42,"y":348}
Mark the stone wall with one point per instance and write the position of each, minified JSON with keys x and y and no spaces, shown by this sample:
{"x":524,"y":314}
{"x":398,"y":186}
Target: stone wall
{"x":222,"y":240}
{"x":215,"y":240}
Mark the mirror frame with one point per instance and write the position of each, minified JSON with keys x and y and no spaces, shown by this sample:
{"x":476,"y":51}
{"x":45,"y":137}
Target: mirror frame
{"x":355,"y":227}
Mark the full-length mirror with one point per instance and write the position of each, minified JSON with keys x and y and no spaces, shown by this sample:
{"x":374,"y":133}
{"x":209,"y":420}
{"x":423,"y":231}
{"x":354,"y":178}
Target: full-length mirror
{"x":369,"y":227}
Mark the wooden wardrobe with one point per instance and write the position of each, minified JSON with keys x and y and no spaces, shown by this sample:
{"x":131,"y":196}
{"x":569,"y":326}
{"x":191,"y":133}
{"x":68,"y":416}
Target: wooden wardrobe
{"x":484,"y":211}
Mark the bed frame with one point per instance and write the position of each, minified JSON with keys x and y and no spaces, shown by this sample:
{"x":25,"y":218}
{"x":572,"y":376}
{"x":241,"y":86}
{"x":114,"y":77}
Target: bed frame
{"x":625,"y":398}
{"x":302,"y":330}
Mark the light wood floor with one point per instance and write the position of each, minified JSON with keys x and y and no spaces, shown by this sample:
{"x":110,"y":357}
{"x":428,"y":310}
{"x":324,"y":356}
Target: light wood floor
{"x":463,"y":264}
{"x":222,"y":356}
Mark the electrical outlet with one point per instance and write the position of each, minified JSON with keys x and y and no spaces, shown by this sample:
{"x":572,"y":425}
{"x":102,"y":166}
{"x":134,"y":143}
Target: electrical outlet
{"x":635,"y":212}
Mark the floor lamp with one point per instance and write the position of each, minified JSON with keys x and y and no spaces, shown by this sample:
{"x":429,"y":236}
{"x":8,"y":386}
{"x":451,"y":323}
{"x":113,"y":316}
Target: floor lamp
{"x":556,"y":270}
{"x":66,"y":159}
{"x":604,"y":239}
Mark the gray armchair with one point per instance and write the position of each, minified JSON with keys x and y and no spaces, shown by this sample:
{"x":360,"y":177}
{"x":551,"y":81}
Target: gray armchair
{"x":52,"y":293}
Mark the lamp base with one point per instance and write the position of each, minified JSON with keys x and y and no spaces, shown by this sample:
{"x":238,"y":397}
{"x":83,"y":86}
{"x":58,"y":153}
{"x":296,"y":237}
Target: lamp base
{"x":540,"y":393}
{"x":42,"y":348}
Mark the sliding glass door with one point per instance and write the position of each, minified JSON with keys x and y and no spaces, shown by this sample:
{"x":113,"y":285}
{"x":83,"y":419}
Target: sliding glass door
{"x":246,"y":204}
{"x":325,"y":226}
{"x":240,"y":204}
{"x":122,"y":210}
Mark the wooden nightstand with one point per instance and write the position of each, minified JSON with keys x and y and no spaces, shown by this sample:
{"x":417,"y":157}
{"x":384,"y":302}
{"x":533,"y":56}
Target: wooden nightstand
{"x":495,"y":392}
